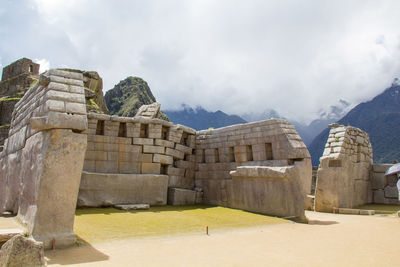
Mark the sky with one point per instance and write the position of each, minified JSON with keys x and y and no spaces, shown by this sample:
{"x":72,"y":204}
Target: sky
{"x":297,"y":57}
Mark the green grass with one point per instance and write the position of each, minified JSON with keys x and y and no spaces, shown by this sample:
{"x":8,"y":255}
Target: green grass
{"x":102,"y":224}
{"x":381,"y":208}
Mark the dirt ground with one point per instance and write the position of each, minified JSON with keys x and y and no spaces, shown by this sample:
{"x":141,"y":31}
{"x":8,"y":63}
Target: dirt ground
{"x":329,"y":240}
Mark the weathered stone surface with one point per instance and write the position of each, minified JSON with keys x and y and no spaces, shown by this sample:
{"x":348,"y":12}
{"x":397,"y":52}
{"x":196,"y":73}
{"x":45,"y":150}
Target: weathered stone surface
{"x":21,"y":251}
{"x":50,"y":184}
{"x":260,"y":189}
{"x":149,"y":111}
{"x":391,"y":192}
{"x":108,"y":189}
{"x":6,"y":234}
{"x":180,"y":196}
{"x":343,"y":178}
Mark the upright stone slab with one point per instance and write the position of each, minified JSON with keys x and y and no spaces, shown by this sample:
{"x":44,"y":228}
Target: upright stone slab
{"x":43,"y":157}
{"x":343,"y":178}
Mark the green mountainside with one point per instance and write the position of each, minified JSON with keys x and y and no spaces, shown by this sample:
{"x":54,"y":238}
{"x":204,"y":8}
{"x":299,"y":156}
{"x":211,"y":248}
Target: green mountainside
{"x":128,"y":96}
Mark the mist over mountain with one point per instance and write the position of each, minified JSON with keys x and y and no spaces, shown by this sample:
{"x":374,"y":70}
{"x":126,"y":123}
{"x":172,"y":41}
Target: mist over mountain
{"x":380,"y":118}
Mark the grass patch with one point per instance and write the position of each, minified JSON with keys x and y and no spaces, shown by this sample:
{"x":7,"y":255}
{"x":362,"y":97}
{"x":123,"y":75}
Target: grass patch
{"x":101,"y":224}
{"x":381,"y":208}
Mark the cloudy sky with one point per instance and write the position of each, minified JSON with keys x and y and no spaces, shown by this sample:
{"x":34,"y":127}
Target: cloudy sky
{"x":296,"y":57}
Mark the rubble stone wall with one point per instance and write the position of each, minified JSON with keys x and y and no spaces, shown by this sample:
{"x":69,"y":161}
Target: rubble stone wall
{"x":42,"y":160}
{"x":139,"y":145}
{"x":272,"y":143}
{"x":343,"y":178}
{"x":384,"y":188}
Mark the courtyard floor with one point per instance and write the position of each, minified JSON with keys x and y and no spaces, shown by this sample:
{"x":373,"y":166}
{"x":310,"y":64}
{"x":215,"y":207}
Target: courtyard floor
{"x":328,"y":240}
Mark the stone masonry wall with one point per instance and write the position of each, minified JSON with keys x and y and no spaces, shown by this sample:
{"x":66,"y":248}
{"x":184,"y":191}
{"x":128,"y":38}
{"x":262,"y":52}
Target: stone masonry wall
{"x":343,"y":178}
{"x":42,"y":160}
{"x":267,"y":143}
{"x":384,"y":188}
{"x":137,"y":145}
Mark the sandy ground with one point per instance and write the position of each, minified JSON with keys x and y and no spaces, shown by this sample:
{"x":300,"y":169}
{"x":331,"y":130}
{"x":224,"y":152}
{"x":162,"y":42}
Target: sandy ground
{"x":329,"y":240}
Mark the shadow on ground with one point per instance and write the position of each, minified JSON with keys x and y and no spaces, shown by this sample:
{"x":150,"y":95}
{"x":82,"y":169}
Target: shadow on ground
{"x":318,"y":222}
{"x":83,"y":252}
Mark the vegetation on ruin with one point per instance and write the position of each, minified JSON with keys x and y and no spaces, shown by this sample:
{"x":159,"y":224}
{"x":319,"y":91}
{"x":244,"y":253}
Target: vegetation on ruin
{"x":128,"y":96}
{"x":11,"y":97}
{"x":102,"y":224}
{"x":4,"y":126}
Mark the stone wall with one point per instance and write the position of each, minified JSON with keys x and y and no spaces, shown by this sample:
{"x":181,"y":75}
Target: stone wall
{"x":140,"y":145}
{"x":18,"y":76}
{"x":42,"y":160}
{"x":343,"y":178}
{"x":384,"y":188}
{"x":272,"y":143}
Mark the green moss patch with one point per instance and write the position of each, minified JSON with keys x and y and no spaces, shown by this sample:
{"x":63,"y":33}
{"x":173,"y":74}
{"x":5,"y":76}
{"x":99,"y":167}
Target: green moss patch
{"x":102,"y":224}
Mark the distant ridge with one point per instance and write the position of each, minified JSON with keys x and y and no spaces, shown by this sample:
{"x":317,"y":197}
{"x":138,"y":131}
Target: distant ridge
{"x":200,"y":118}
{"x":380,"y":118}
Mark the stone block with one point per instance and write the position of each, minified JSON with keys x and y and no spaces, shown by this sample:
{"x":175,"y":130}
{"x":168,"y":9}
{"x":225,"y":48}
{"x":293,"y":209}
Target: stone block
{"x":164,"y":143}
{"x":379,"y":196}
{"x":147,"y":158}
{"x":153,"y":149}
{"x":21,"y":251}
{"x":75,"y":108}
{"x":367,"y":212}
{"x":175,"y":135}
{"x":184,"y":149}
{"x":133,"y":130}
{"x":151,"y":168}
{"x":110,"y":147}
{"x":378,"y":180}
{"x":56,"y":120}
{"x":163,"y":159}
{"x":155,"y":131}
{"x":175,"y":171}
{"x":130,"y":148}
{"x":106,"y":166}
{"x":129,"y":167}
{"x":381,"y":167}
{"x":142,"y":141}
{"x":349,"y":211}
{"x":53,"y":105}
{"x":179,"y":196}
{"x":391,"y":192}
{"x":98,"y":189}
{"x":175,"y":153}
{"x":100,"y":155}
{"x":89,"y":165}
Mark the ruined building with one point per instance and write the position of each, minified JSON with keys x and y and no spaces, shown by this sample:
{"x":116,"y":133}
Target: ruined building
{"x":60,"y":155}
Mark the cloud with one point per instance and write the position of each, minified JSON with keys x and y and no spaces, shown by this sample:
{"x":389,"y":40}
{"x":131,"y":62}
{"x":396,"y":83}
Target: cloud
{"x":295,"y":57}
{"x":44,"y":64}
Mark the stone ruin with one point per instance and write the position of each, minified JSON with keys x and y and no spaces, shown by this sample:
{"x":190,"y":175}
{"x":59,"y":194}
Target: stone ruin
{"x":59,"y":155}
{"x":347,"y":177}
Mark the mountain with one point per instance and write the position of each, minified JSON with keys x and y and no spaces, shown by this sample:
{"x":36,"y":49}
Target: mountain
{"x":380,"y":118}
{"x":325,"y":117}
{"x":128,"y":96}
{"x":200,"y":118}
{"x":307,"y":132}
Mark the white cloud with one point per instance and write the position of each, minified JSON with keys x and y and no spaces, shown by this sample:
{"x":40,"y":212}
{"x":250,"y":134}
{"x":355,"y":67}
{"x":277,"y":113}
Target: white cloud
{"x":238,"y":56}
{"x":44,"y":64}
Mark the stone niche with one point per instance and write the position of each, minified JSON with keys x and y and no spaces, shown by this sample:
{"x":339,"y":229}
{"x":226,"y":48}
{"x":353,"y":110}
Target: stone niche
{"x":343,"y":178}
{"x":137,"y":159}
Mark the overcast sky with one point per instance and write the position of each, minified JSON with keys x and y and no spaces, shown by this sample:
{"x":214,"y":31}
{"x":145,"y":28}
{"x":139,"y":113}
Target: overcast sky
{"x":296,"y":57}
